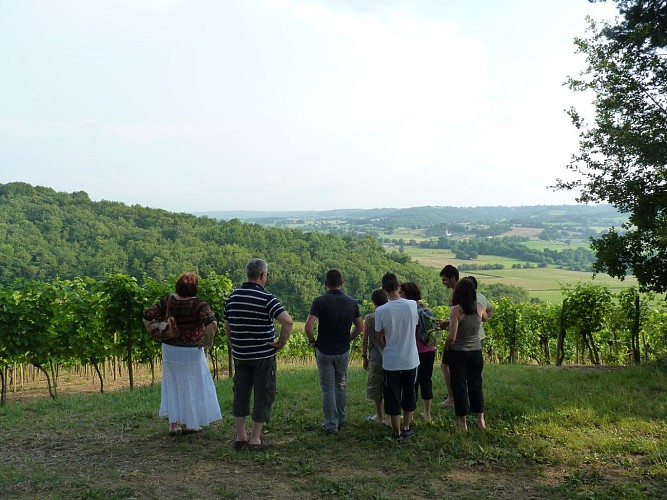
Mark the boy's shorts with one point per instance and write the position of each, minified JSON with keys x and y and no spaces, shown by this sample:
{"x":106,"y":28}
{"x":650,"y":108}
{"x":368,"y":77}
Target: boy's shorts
{"x":374,"y":381}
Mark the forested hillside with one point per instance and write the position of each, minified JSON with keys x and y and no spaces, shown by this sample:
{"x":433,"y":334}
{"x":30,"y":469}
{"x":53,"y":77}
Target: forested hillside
{"x":46,"y":234}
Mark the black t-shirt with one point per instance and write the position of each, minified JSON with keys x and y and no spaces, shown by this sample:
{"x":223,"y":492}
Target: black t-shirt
{"x":335,"y":312}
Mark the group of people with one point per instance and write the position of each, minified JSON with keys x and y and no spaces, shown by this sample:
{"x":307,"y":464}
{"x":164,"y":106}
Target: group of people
{"x":398,"y":362}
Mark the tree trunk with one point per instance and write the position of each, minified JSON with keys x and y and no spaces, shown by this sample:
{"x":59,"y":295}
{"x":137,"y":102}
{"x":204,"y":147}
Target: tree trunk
{"x":3,"y":385}
{"x":214,"y":362}
{"x":130,"y":371}
{"x":560,"y":349}
{"x":636,"y":353}
{"x":99,"y":375}
{"x":152,"y":364}
{"x":48,"y":379}
{"x":513,"y":343}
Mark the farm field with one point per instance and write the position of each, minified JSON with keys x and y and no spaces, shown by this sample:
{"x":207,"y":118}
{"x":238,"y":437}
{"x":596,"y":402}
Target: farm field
{"x":542,"y":283}
{"x":554,"y":245}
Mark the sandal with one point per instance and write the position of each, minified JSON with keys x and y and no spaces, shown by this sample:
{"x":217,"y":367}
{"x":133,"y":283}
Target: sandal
{"x":240,"y":445}
{"x":264,"y":445}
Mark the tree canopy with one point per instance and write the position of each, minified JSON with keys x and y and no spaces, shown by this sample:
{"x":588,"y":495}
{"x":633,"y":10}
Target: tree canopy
{"x":46,"y":234}
{"x":623,"y":151}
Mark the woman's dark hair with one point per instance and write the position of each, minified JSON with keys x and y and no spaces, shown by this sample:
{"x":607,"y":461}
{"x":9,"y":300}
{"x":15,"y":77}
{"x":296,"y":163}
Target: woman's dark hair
{"x":465,"y":296}
{"x":411,"y":290}
{"x":473,"y":279}
{"x":378,"y":297}
{"x":188,"y":285}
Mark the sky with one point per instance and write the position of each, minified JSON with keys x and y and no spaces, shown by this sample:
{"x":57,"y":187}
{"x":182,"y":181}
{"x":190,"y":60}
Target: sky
{"x":206,"y":105}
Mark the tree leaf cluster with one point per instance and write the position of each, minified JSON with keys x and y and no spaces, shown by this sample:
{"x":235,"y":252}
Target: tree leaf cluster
{"x":623,"y":147}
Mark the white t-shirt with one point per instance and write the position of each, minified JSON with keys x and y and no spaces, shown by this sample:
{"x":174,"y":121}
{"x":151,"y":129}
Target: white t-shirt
{"x":398,"y":319}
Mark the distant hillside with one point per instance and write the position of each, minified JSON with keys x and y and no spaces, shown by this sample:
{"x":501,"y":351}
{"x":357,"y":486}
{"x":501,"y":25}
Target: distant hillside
{"x":582,"y":220}
{"x":46,"y":234}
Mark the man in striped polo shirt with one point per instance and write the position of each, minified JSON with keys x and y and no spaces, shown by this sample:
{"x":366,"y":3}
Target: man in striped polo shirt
{"x":250,"y":312}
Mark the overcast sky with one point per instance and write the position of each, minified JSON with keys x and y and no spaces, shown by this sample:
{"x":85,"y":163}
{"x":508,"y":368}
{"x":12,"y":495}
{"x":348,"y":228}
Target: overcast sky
{"x":199,"y":105}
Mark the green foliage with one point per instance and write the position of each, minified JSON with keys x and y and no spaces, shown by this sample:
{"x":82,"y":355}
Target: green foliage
{"x":50,"y":235}
{"x":622,"y":154}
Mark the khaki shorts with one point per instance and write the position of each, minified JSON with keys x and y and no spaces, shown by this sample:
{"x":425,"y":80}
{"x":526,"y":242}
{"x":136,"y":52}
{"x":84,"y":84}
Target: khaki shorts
{"x":374,"y":381}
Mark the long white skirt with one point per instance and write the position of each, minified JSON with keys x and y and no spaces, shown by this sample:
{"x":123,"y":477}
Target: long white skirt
{"x":188,"y":393}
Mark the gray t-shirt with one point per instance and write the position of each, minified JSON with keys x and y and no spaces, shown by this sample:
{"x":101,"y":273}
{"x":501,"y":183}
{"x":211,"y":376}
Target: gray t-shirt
{"x":467,"y":334}
{"x":375,"y":348}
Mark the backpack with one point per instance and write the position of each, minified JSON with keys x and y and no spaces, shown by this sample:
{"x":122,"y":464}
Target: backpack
{"x":428,"y":327}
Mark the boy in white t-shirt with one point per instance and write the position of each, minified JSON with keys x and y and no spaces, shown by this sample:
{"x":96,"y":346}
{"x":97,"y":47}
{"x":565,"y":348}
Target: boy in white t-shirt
{"x":396,"y":322}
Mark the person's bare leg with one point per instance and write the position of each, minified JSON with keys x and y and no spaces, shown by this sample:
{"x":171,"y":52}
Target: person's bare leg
{"x":396,"y":424}
{"x":427,"y":409}
{"x":241,"y":433}
{"x":407,"y":419}
{"x":378,"y":411}
{"x":449,"y":401}
{"x":256,"y":432}
{"x":462,"y":424}
{"x":481,"y":423}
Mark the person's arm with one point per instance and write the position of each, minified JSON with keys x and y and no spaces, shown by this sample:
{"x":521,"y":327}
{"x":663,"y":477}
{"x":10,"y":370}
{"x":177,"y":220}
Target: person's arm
{"x":358,"y":327}
{"x":453,"y":326}
{"x":379,"y":334}
{"x":286,"y":324}
{"x":228,"y":331}
{"x":209,"y":333}
{"x":364,"y":342}
{"x":490,"y":309}
{"x":481,"y":310}
{"x":310,"y":329}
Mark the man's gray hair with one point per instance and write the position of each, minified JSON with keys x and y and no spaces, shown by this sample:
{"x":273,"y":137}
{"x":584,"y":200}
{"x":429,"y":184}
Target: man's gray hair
{"x":255,"y":267}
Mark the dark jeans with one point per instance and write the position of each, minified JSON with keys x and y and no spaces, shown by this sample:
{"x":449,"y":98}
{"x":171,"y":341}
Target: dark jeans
{"x":258,"y":376}
{"x":425,"y":375}
{"x":465,"y":368}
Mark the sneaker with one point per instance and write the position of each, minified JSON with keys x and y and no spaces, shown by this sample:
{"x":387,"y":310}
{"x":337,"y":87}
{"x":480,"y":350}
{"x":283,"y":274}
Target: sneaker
{"x":407,"y":433}
{"x":326,"y":429}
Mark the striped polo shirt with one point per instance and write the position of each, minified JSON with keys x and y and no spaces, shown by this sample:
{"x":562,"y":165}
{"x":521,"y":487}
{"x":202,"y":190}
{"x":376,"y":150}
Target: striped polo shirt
{"x":250,"y":311}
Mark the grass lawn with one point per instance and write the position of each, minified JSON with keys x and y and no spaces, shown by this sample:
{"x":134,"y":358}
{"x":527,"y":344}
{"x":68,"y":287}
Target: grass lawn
{"x":554,"y":432}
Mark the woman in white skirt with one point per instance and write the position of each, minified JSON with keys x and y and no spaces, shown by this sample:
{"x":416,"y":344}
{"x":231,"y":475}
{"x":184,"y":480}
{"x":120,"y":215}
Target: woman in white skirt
{"x":188,"y":398}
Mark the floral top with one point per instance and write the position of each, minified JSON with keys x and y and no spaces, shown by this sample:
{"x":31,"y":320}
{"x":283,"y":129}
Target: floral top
{"x":192,"y":315}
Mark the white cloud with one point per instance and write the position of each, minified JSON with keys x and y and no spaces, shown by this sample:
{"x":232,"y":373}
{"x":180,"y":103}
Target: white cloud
{"x":289,"y":104}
